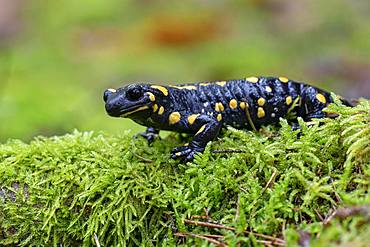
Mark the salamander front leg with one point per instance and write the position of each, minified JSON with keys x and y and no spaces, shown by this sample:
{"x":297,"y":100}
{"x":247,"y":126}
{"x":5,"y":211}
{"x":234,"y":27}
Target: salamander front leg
{"x":150,"y":134}
{"x":207,"y":130}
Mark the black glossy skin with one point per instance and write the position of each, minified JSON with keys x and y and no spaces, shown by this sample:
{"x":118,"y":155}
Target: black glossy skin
{"x":266,"y":93}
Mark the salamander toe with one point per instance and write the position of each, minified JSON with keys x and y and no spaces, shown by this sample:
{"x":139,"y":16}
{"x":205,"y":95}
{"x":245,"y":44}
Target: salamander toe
{"x":186,"y":152}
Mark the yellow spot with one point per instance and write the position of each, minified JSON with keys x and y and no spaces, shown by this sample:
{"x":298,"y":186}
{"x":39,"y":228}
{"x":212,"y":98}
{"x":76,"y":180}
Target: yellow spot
{"x":161,"y":88}
{"x":252,"y":79}
{"x":178,"y":153}
{"x":233,"y":104}
{"x":321,"y":98}
{"x":219,"y":106}
{"x":136,"y":110}
{"x":260,"y":112}
{"x":174,"y":117}
{"x":261,"y":101}
{"x":155,"y":107}
{"x":221,"y":83}
{"x":242,"y":105}
{"x":201,"y":129}
{"x":191,"y":118}
{"x":186,"y":144}
{"x":219,"y":117}
{"x":203,"y":84}
{"x":185,"y":87}
{"x":151,"y":96}
{"x":161,"y":110}
{"x":288,"y":100}
{"x":112,"y":90}
{"x":283,"y":79}
{"x":268,"y":89}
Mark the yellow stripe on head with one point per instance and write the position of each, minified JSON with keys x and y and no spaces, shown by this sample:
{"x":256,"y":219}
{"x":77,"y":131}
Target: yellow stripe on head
{"x":136,"y":110}
{"x":161,"y":88}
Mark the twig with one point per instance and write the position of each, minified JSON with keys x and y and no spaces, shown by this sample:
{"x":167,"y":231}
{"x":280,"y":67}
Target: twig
{"x":209,"y":225}
{"x":206,"y":212}
{"x":337,"y":196}
{"x":329,"y":216}
{"x":213,"y":236}
{"x":202,"y":217}
{"x":319,"y":215}
{"x":276,"y":241}
{"x":96,"y":240}
{"x":270,"y":181}
{"x":244,"y":190}
{"x":268,"y":184}
{"x":237,"y":214}
{"x":211,"y":240}
{"x":142,"y":158}
{"x":267,"y":243}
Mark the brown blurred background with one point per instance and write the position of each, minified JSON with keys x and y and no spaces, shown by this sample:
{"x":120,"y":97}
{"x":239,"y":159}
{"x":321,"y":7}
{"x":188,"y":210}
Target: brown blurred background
{"x":57,"y":57}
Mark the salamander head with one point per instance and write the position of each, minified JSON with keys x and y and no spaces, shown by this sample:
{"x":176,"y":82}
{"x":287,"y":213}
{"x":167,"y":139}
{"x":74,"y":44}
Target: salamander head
{"x":129,"y":101}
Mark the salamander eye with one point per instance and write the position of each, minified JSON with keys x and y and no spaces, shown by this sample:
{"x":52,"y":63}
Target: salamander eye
{"x":134,"y":93}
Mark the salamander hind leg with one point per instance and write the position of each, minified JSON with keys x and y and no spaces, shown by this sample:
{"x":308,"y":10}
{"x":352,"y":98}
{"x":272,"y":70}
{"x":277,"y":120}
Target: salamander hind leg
{"x":207,"y":129}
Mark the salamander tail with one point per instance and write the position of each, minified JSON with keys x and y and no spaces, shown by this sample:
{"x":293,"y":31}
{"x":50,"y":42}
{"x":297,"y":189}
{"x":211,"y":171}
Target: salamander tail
{"x":350,"y":103}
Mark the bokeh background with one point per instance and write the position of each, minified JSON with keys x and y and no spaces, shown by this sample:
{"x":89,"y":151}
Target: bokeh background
{"x":57,"y":57}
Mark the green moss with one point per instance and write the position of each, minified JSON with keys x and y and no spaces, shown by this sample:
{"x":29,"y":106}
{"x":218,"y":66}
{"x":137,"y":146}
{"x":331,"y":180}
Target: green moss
{"x":66,"y":189}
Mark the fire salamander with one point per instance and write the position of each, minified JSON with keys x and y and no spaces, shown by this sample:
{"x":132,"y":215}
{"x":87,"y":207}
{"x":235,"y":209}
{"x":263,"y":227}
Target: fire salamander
{"x":202,"y":109}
